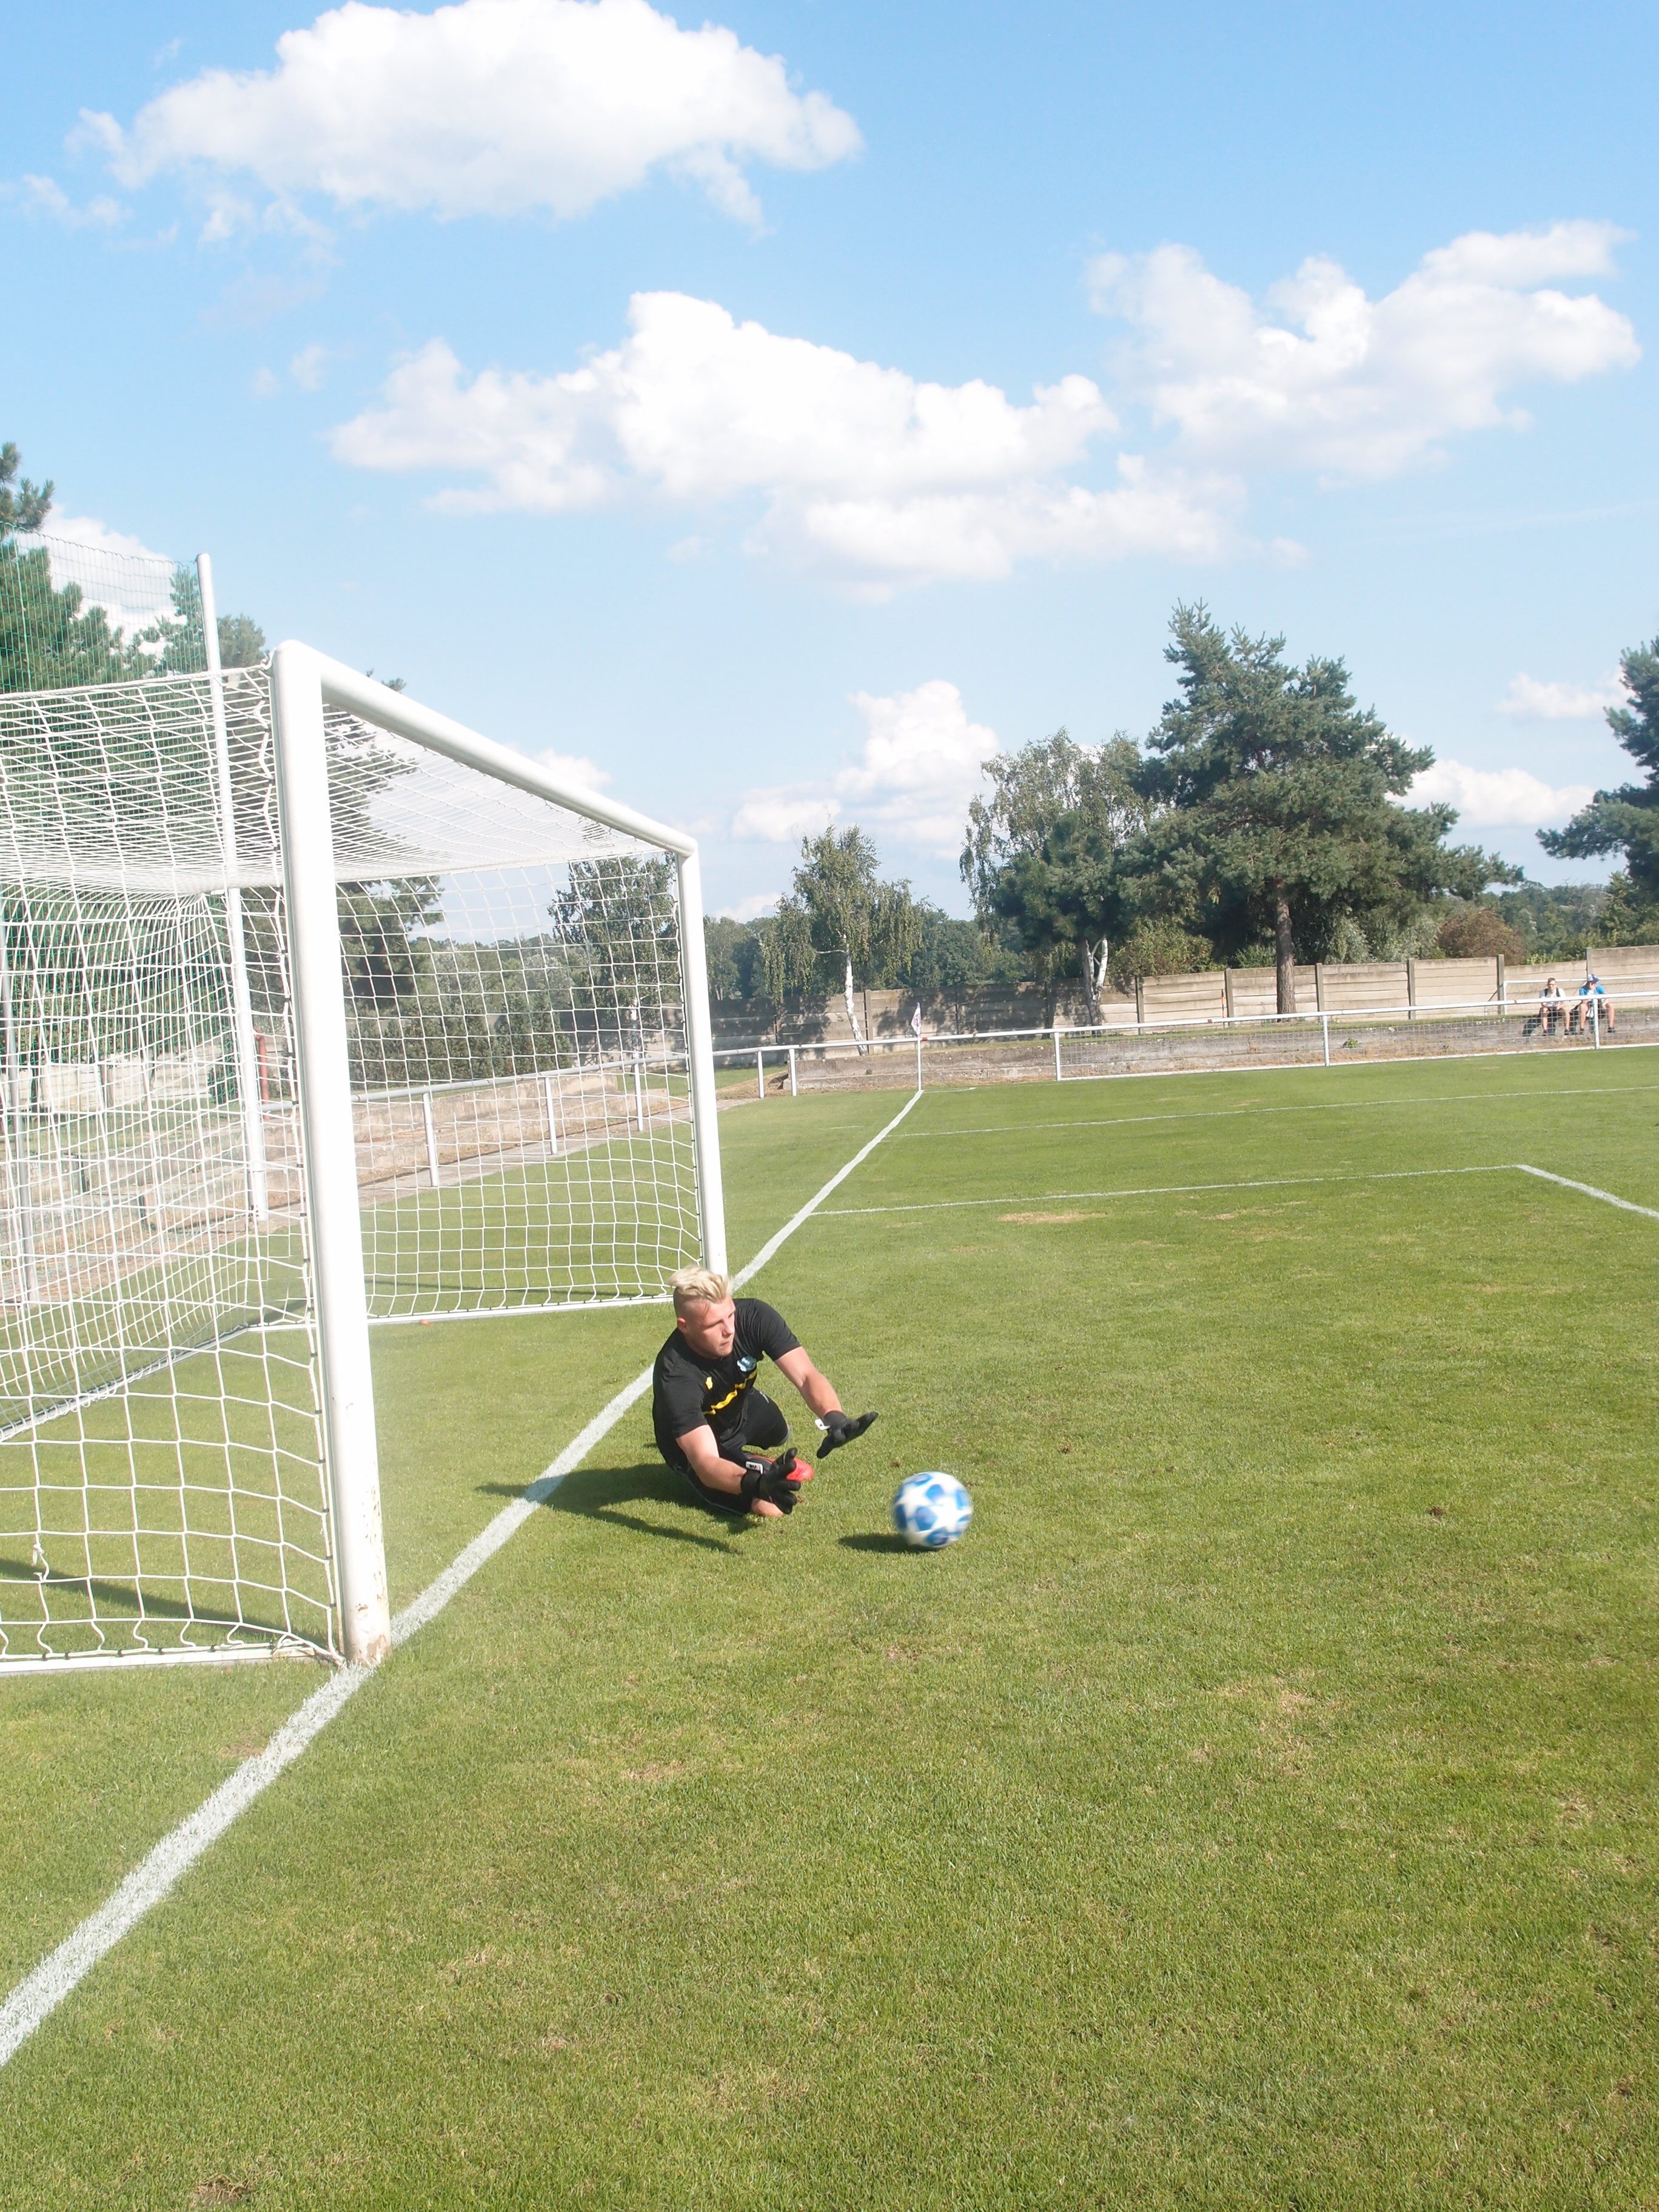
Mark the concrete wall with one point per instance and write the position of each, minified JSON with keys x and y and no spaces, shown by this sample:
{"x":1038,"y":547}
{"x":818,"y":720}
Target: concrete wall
{"x":1208,"y":995}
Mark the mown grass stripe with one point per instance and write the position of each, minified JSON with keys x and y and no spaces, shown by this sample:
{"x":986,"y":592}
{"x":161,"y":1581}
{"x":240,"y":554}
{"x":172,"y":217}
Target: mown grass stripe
{"x":1187,"y":1189}
{"x":1613,"y":1093}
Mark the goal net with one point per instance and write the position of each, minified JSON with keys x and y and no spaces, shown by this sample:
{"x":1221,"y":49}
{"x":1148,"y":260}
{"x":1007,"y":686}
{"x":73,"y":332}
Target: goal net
{"x":316,"y":1011}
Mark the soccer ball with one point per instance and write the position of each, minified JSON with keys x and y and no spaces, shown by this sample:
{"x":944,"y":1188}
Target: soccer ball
{"x":931,"y":1510}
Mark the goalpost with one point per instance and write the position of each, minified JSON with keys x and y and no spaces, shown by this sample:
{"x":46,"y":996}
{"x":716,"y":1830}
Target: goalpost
{"x":318,"y":1011}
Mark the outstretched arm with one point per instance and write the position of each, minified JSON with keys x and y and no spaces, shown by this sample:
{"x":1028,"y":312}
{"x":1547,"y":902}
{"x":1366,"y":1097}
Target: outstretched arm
{"x":813,"y":1384}
{"x":821,"y":1394}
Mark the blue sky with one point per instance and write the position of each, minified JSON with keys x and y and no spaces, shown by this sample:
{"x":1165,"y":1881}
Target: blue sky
{"x":781,"y":413}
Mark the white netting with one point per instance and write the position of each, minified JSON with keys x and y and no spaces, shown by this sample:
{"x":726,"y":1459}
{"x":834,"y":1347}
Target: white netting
{"x":511,"y":979}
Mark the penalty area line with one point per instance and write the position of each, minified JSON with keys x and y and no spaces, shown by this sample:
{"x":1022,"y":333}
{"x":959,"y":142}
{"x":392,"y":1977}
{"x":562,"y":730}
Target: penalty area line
{"x":38,"y":1995}
{"x":1589,"y":1190}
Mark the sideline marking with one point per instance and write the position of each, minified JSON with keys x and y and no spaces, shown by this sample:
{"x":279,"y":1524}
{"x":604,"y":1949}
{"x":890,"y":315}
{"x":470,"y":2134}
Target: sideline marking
{"x":1589,"y":1190}
{"x":39,"y":1994}
{"x":1183,"y":1189}
{"x":1244,"y":1113}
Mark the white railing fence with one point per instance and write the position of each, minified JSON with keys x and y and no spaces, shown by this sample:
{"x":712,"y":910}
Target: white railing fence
{"x":1330,"y":1037}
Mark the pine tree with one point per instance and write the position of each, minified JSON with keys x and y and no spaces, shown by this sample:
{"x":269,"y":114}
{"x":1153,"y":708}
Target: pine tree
{"x":1276,"y":801}
{"x":1627,"y":820}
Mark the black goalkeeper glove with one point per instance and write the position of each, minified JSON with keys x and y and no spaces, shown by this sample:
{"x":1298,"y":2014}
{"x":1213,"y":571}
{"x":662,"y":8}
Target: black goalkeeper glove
{"x":839,"y":1430}
{"x":770,"y":1479}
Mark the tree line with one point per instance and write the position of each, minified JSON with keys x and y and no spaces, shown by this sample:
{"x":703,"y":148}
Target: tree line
{"x":1263,"y":822}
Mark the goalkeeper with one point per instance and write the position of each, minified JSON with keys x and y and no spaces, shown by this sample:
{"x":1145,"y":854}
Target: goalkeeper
{"x":712,"y":1425}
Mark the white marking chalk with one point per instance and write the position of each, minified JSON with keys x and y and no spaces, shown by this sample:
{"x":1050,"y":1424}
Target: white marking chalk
{"x":39,"y":1994}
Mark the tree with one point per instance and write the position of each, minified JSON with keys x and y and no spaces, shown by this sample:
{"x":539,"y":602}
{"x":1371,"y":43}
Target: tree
{"x":618,"y":918}
{"x":1276,"y":804}
{"x":953,"y":954}
{"x":1041,"y":851}
{"x":1476,"y":932}
{"x":1627,"y":820}
{"x":1555,"y":921}
{"x":839,"y":909}
{"x":732,"y":950}
{"x":242,"y":645}
{"x":26,"y":507}
{"x":1067,"y":898}
{"x":52,"y":639}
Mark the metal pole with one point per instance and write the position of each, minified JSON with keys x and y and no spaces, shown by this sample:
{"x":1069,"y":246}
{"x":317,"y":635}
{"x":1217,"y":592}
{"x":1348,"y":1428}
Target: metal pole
{"x":760,"y":1074}
{"x":793,"y":1093}
{"x":1595,"y":1017}
{"x":17,"y":1158}
{"x":431,"y":1137}
{"x":241,"y":1001}
{"x":918,"y":1060}
{"x":328,"y":1150}
{"x":700,"y":1053}
{"x":552,"y":1116}
{"x":639,"y":1091}
{"x":1058,"y":1076}
{"x":1325,"y":1031}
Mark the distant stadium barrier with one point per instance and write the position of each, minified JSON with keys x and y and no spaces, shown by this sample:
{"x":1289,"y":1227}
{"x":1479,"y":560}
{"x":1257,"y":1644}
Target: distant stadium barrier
{"x":1202,"y":1044}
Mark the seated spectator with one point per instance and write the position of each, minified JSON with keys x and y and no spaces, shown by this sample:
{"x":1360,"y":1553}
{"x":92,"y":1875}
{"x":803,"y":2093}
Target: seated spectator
{"x":1552,"y":1007}
{"x":1590,"y":995}
{"x":1605,"y":1014}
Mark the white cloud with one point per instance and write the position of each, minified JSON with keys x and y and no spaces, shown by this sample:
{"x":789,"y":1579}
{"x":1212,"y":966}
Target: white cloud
{"x":492,"y":107}
{"x":1321,"y":377}
{"x":309,"y":367}
{"x":873,"y":479}
{"x":865,"y":474}
{"x":751,"y":909}
{"x":45,"y":196}
{"x":130,"y":580}
{"x":921,"y":761}
{"x":98,"y":537}
{"x":1500,"y":798}
{"x":1534,"y":701}
{"x":575,"y":769}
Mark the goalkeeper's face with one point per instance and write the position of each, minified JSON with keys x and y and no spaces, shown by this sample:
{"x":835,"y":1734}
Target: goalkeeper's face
{"x":710,"y":1330}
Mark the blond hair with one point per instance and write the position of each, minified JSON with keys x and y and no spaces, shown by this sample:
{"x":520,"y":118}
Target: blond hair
{"x":698,"y":1287}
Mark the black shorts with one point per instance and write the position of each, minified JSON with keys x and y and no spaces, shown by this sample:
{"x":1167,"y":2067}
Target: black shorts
{"x":763,"y":1428}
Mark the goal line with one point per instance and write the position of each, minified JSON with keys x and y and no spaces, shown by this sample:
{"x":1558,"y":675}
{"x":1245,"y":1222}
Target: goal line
{"x":60,"y":1973}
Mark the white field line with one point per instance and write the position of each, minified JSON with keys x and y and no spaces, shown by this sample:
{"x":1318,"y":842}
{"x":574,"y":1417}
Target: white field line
{"x":1243,"y":1113}
{"x":817,"y":1200}
{"x":1187,"y":1189}
{"x":39,"y":1994}
{"x":1589,"y":1190}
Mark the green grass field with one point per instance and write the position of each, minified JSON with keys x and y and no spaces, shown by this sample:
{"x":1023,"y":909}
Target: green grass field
{"x":1258,"y":1809}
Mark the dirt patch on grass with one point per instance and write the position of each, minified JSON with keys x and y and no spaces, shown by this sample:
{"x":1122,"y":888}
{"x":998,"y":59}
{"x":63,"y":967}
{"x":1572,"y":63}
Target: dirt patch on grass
{"x":1027,"y":1218}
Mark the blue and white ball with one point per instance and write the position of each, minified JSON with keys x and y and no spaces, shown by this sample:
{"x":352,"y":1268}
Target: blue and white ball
{"x":931,"y":1510}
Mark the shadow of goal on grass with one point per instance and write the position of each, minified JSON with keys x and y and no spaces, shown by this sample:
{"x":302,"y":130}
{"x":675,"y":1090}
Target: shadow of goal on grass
{"x":602,"y":1493}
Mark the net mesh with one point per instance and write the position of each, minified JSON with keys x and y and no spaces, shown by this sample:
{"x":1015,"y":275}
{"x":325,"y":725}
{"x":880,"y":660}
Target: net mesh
{"x":84,"y":611}
{"x":511,"y":979}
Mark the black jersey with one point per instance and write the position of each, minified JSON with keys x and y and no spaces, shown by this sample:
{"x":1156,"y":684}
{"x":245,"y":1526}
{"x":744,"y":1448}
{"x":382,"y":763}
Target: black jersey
{"x":687,"y":1388}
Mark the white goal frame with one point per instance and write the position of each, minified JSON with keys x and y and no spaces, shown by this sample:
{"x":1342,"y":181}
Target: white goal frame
{"x":178,"y":1213}
{"x":304,"y":683}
